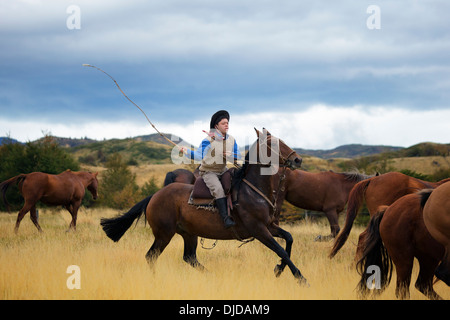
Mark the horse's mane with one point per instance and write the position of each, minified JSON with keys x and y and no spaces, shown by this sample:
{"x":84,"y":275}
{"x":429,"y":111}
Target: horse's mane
{"x":355,"y":176}
{"x":239,"y":174}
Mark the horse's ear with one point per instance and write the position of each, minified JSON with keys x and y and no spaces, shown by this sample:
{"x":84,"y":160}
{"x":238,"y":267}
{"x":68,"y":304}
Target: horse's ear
{"x":266,"y":132}
{"x":96,"y":174}
{"x":258,"y":133}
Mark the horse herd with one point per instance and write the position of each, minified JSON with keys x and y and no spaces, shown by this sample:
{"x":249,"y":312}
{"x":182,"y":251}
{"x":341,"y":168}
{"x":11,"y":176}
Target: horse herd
{"x":409,"y":217}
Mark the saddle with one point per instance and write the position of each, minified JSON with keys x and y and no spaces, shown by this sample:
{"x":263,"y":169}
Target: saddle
{"x":202,"y":197}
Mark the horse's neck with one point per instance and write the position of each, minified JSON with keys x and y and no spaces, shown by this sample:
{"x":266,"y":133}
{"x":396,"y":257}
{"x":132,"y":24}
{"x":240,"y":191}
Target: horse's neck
{"x":84,"y":177}
{"x":265,"y":183}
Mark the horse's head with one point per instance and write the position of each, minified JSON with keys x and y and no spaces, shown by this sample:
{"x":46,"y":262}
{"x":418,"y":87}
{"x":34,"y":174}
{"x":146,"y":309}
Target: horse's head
{"x":275,"y":147}
{"x":93,"y":186}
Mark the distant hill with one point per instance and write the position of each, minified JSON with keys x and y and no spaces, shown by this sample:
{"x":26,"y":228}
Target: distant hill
{"x":155,"y":149}
{"x":155,"y":137}
{"x":348,"y":151}
{"x":71,"y":142}
{"x":426,"y":149}
{"x":7,"y":140}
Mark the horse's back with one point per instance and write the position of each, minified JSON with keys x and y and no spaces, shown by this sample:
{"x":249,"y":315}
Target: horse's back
{"x":165,"y":203}
{"x":52,"y":189}
{"x":169,"y":211}
{"x":34,"y":182}
{"x":386,"y":189}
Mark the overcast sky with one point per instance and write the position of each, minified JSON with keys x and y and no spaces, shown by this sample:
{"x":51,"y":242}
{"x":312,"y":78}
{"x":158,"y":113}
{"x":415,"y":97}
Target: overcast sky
{"x":312,"y":72}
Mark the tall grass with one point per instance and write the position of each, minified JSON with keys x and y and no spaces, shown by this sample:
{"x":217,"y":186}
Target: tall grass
{"x":33,"y":265}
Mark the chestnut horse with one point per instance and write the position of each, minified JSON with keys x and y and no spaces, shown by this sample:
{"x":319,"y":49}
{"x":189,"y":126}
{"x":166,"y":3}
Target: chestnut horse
{"x":168,"y":211}
{"x":436,"y":215}
{"x":377,"y":191}
{"x":398,"y":234}
{"x":66,"y":188}
{"x":322,"y":191}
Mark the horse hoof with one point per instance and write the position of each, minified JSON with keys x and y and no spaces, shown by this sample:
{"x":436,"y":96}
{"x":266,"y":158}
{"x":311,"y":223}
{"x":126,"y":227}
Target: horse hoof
{"x":303,"y":282}
{"x":278,"y":270}
{"x":321,"y":238}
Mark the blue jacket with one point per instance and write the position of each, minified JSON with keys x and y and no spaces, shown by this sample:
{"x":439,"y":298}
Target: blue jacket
{"x":204,"y":147}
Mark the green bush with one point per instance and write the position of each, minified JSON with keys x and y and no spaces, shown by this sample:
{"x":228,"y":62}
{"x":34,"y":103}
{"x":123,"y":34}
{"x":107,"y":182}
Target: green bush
{"x":118,"y":188}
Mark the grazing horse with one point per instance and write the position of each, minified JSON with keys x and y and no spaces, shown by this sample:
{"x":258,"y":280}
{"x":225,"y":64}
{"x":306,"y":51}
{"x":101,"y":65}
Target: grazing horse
{"x":377,"y":191}
{"x":436,"y":215}
{"x":179,"y":175}
{"x":398,"y":234}
{"x":66,"y":188}
{"x":323,"y":191}
{"x":168,"y":211}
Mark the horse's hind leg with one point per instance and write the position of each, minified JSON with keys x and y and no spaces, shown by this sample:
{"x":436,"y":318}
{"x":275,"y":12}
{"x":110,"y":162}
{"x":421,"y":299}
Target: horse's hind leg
{"x":157,"y":248}
{"x":190,"y":250}
{"x":424,"y":282}
{"x":26,"y":207}
{"x":34,"y":218}
{"x":404,"y":270}
{"x":333,"y":218}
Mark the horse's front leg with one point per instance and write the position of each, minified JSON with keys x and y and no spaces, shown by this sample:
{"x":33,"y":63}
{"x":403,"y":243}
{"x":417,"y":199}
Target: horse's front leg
{"x":266,"y":238}
{"x":276,"y":231}
{"x":34,"y":218}
{"x":73,"y":209}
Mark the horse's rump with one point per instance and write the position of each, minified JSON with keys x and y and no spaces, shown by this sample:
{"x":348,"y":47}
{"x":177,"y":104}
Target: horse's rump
{"x":5,"y":185}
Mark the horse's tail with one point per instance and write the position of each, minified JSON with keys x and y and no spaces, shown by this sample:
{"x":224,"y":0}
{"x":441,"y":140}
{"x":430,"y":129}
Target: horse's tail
{"x":374,"y":256}
{"x":424,"y":195}
{"x":355,"y":200}
{"x":170,"y":178}
{"x":117,"y":226}
{"x":5,"y":185}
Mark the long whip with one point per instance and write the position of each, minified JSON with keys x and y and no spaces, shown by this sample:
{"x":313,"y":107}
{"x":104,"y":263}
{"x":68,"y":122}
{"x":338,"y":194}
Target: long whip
{"x":120,"y":89}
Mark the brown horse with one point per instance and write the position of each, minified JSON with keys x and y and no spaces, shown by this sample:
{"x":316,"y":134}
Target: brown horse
{"x":398,"y":234}
{"x":378,"y":191}
{"x":436,"y":215}
{"x":168,"y":211}
{"x":66,"y":188}
{"x":323,"y":191}
{"x":179,"y":175}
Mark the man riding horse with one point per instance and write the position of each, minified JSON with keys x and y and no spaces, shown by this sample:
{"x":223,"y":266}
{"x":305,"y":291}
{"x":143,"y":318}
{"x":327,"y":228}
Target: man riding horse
{"x":214,"y":151}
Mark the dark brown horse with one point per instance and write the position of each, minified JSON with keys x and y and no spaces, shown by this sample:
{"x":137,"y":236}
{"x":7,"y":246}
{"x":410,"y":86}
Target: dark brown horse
{"x":66,"y":188}
{"x":436,"y":215}
{"x":398,"y":234}
{"x":179,"y":175}
{"x":323,"y":191}
{"x":378,"y":191}
{"x":168,"y":212}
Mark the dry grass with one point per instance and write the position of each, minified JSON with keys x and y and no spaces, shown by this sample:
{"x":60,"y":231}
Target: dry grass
{"x":33,"y":266}
{"x":424,"y":165}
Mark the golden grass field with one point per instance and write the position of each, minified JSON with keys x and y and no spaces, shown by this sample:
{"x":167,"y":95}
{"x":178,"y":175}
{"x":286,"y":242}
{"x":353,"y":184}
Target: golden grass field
{"x":33,"y":265}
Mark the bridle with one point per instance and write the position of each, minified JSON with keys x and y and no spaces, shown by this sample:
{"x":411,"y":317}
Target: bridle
{"x":286,"y":163}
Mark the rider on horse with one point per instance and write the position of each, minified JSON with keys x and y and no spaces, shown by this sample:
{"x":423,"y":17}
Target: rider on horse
{"x":214,"y":151}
